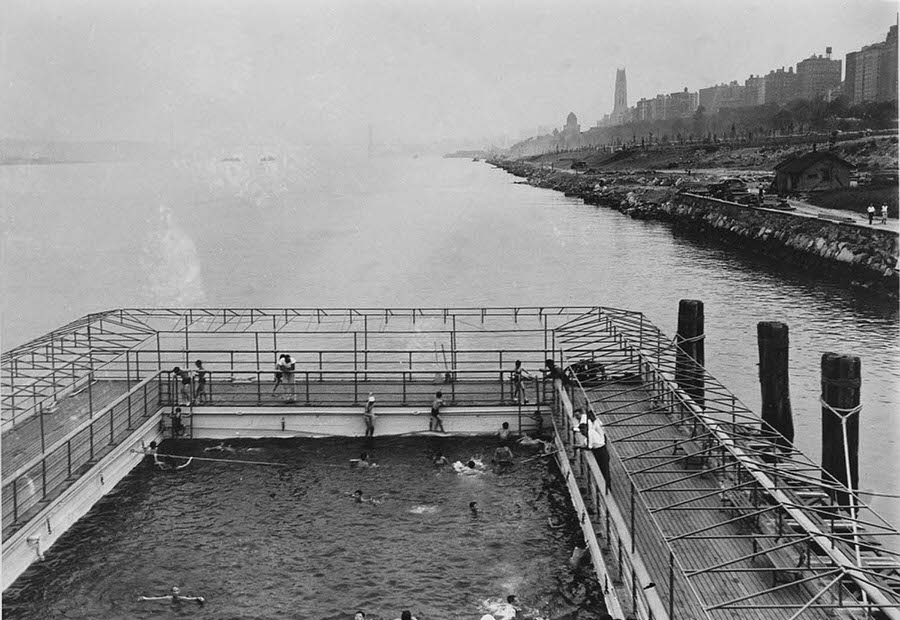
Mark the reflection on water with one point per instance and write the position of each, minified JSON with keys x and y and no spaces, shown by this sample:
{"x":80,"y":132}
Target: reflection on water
{"x":289,"y":541}
{"x":345,"y":231}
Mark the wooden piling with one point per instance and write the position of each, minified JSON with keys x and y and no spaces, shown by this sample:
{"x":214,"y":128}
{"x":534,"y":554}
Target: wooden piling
{"x":840,"y":391}
{"x":690,"y":357}
{"x":772,"y":338}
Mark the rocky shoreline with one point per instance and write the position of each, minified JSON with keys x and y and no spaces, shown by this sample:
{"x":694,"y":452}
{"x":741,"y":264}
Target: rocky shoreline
{"x":860,"y":256}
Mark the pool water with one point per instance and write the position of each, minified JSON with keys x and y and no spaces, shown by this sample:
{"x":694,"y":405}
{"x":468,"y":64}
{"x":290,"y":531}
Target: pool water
{"x":289,"y":542}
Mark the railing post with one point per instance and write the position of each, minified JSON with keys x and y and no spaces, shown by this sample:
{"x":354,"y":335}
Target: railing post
{"x":355,"y":386}
{"x":129,"y":410}
{"x":671,"y":585}
{"x":90,"y":395}
{"x":91,"y":428}
{"x":43,"y":479}
{"x":307,"y":386}
{"x":137,"y":366}
{"x":68,"y":459}
{"x":128,"y":369}
{"x":320,"y":367}
{"x":633,"y":537}
{"x":41,"y":416}
{"x":231,"y":362}
{"x":15,"y":500}
{"x":404,"y":386}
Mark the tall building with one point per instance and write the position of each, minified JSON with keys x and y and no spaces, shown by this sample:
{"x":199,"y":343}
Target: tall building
{"x":682,"y":104}
{"x":620,"y":102}
{"x":755,"y":90}
{"x":721,"y":96}
{"x":872,"y":71}
{"x":781,"y":86}
{"x":818,"y":75}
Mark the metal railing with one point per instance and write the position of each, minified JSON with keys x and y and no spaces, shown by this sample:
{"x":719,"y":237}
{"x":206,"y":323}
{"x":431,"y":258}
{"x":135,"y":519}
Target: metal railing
{"x":330,"y":388}
{"x":45,"y":476}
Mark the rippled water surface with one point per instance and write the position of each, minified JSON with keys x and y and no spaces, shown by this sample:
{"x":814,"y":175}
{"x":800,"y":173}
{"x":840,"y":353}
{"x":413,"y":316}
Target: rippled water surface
{"x":304,"y":231}
{"x":289,"y":542}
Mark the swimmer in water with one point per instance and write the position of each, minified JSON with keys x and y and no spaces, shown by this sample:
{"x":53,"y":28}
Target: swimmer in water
{"x":357,"y":496}
{"x":167,"y":462}
{"x":175,"y":597}
{"x":440,"y":460}
{"x":471,"y":468}
{"x":359,"y":615}
{"x":220,"y":448}
{"x":362,"y":461}
{"x":473,"y":508}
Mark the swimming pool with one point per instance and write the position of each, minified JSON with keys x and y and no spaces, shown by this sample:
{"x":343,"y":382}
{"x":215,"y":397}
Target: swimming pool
{"x":289,"y":542}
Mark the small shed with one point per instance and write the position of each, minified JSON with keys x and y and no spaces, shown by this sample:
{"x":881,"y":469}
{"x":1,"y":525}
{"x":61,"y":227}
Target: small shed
{"x":815,"y":171}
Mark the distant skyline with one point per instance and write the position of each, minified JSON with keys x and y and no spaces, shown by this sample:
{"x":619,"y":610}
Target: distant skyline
{"x":266,"y":72}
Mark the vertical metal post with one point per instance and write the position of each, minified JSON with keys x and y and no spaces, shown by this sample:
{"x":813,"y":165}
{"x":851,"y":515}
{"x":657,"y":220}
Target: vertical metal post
{"x":258,"y":375}
{"x":158,"y":353}
{"x":671,"y":585}
{"x":187,"y":344}
{"x":137,"y":366}
{"x":231,"y":364}
{"x":41,"y":416}
{"x":112,"y":430}
{"x":366,"y":341}
{"x":307,"y":386}
{"x":91,"y":433}
{"x":128,"y":369}
{"x":633,"y":536}
{"x":129,"y":410}
{"x":90,"y":392}
{"x":404,"y":387}
{"x":320,"y":367}
{"x":15,"y":500}
{"x":68,"y":459}
{"x":355,"y":353}
{"x":355,"y":387}
{"x":502,"y":388}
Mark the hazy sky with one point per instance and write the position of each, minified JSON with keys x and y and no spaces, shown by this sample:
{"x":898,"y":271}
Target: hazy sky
{"x":415,"y":70}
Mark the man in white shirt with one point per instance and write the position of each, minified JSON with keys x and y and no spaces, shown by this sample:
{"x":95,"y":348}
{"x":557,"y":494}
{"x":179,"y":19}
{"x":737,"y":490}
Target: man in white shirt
{"x":592,"y":429}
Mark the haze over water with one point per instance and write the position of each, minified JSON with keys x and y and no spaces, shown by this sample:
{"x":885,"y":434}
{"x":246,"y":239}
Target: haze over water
{"x":418,"y":232}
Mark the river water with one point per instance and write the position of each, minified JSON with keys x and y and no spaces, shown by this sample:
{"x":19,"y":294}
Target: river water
{"x":308,"y":230}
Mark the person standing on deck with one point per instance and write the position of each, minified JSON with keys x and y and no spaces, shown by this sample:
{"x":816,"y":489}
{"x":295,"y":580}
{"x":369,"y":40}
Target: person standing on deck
{"x":369,"y":416}
{"x":434,"y":422}
{"x":200,"y":393}
{"x":871,"y":211}
{"x":287,"y":376}
{"x":279,"y":375}
{"x":185,"y":396}
{"x":884,"y":212}
{"x":518,"y":376}
{"x":592,"y":429}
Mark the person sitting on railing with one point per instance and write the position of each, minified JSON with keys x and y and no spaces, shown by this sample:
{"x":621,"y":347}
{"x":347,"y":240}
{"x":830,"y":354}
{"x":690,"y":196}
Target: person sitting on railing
{"x":175,"y":597}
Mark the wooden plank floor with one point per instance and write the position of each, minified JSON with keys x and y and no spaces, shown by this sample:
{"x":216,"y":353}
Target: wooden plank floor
{"x":701,"y":591}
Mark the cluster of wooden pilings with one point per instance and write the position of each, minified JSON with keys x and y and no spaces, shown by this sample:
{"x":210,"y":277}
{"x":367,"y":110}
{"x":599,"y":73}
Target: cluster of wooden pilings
{"x":840,"y":392}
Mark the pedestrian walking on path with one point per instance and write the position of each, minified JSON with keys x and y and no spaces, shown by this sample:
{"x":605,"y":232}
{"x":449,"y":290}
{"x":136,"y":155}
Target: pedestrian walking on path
{"x":871,"y":212}
{"x":884,"y":210}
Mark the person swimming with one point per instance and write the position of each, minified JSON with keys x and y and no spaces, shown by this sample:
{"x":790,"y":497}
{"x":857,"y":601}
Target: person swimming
{"x":175,"y":597}
{"x":362,"y":461}
{"x":221,"y":447}
{"x":440,"y":460}
{"x":166,"y":463}
{"x":473,"y":508}
{"x":471,"y":468}
{"x":357,"y":496}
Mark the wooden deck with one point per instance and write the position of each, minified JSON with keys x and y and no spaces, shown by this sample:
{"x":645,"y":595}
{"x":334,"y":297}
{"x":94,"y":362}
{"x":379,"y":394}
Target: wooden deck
{"x":668,"y":478}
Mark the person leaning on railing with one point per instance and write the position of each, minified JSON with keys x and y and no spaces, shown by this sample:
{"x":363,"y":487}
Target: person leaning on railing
{"x":592,"y":429}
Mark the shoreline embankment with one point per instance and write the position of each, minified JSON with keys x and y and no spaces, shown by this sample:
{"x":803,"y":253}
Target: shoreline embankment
{"x":861,"y":256}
